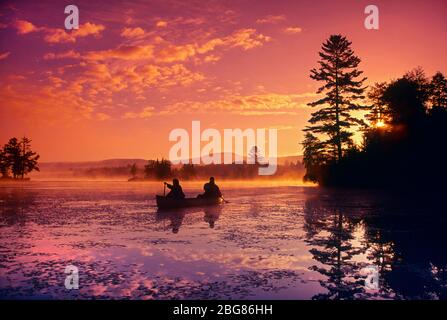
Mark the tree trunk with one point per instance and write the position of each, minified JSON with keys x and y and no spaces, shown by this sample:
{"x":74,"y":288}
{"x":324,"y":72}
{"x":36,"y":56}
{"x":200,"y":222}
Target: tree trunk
{"x":337,"y":115}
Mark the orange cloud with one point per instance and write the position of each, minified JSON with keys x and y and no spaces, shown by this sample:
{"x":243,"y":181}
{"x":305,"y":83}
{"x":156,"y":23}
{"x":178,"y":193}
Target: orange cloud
{"x":161,"y":24}
{"x":53,"y":35}
{"x":163,"y":51}
{"x":176,"y":53}
{"x":258,"y":104}
{"x":132,"y":32}
{"x":211,"y":58}
{"x":147,"y":112}
{"x":51,"y":103}
{"x":102,"y":116}
{"x":247,"y":39}
{"x":71,"y":54}
{"x":293,"y":30}
{"x":61,"y":36}
{"x":271,"y":19}
{"x":24,"y":27}
{"x":167,"y":76}
{"x":124,"y":52}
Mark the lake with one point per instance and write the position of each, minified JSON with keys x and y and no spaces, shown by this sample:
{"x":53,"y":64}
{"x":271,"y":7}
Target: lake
{"x":273,"y":242}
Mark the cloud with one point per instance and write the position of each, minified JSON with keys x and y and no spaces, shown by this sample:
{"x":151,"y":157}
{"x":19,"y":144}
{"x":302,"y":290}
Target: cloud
{"x":100,"y":79}
{"x":147,"y":112}
{"x":271,"y":19}
{"x":4,"y":55}
{"x":161,"y":24}
{"x":139,"y":68}
{"x":167,"y":76}
{"x":174,"y":53}
{"x":71,"y":54}
{"x":92,"y":90}
{"x":62,"y":36}
{"x":102,"y":116}
{"x":292,"y":30}
{"x":258,"y":104}
{"x":211,"y":58}
{"x":124,"y":52}
{"x":51,"y":103}
{"x":24,"y":27}
{"x":55,"y":35}
{"x":163,"y":51}
{"x":247,"y":39}
{"x":132,"y":32}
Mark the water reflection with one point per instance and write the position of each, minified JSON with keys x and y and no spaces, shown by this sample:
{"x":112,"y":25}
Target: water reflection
{"x":212,"y":214}
{"x":14,"y":206}
{"x":266,"y":243}
{"x":403,"y":235}
{"x":175,"y":217}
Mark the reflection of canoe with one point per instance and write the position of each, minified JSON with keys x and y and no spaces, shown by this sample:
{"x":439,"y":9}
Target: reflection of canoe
{"x":166,"y":203}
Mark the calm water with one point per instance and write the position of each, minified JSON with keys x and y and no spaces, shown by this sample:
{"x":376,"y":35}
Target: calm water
{"x":271,"y":242}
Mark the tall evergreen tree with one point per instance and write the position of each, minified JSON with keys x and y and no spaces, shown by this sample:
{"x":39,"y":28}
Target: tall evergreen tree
{"x":28,"y":158}
{"x":4,"y":164}
{"x":20,"y":158}
{"x":379,"y":114}
{"x":342,"y":87}
{"x":313,"y":157}
{"x":419,"y":79}
{"x":255,"y":156}
{"x":13,"y":155}
{"x":438,"y":91}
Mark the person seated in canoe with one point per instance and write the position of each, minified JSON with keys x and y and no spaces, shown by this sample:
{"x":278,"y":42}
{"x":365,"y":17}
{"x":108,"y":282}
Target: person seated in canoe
{"x":211,"y":190}
{"x":176,"y":190}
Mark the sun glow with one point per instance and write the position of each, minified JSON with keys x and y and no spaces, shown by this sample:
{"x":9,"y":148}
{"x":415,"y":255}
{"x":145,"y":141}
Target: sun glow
{"x":380,"y":124}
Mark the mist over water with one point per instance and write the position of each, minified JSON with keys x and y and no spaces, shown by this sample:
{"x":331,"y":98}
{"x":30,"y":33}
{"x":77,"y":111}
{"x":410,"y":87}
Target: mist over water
{"x":279,"y":242}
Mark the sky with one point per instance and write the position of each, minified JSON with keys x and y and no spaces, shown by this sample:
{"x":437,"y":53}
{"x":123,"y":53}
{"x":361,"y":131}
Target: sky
{"x":135,"y":70}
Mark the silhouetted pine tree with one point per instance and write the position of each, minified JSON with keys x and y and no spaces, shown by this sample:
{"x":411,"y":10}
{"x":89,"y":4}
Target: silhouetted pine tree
{"x":13,"y":150}
{"x":342,"y":87}
{"x":438,"y":91}
{"x":380,"y":113}
{"x":313,"y":157}
{"x":28,"y":158}
{"x":4,"y":164}
{"x":19,"y":157}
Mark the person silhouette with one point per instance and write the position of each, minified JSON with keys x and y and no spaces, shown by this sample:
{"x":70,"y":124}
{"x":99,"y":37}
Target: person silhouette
{"x":176,"y":190}
{"x":211,"y":190}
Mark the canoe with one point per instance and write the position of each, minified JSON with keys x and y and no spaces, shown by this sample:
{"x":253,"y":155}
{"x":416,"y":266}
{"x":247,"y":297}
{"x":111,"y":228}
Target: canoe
{"x":167,"y":203}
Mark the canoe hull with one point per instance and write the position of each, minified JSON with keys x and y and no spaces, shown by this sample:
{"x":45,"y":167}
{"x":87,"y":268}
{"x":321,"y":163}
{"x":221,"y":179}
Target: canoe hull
{"x":166,"y":203}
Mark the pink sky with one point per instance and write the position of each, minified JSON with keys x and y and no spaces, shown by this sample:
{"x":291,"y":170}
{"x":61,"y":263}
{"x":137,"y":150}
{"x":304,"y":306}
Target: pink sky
{"x":135,"y":70}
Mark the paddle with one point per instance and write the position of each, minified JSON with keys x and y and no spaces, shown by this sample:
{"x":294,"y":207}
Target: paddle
{"x":164,"y":189}
{"x":226,"y":201}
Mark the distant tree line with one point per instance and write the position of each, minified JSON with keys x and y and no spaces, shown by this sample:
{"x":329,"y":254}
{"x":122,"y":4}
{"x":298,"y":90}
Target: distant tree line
{"x":163,"y":169}
{"x":17,"y":159}
{"x":403,"y":124}
{"x":159,"y":170}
